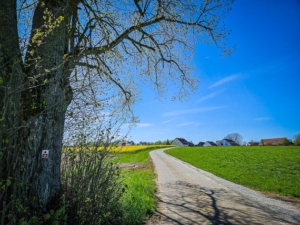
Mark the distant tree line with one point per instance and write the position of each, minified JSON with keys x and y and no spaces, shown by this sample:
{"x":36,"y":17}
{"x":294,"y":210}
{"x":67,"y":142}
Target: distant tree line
{"x":159,"y":142}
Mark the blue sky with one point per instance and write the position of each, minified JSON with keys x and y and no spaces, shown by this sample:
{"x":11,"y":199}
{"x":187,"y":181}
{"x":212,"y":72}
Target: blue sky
{"x":254,"y":92}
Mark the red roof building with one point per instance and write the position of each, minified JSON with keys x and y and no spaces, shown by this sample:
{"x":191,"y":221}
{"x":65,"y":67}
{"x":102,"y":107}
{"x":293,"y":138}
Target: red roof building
{"x":272,"y":141}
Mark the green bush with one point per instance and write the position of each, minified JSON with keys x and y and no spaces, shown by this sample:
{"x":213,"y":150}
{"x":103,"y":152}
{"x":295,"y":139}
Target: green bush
{"x":92,"y":187}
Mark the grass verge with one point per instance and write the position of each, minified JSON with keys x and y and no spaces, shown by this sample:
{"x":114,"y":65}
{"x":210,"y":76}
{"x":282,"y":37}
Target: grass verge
{"x":263,"y":168}
{"x":138,"y":201}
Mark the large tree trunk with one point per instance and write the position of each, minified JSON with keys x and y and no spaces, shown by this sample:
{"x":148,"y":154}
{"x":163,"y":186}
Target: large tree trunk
{"x":11,"y":81}
{"x":45,"y":96}
{"x":45,"y":123}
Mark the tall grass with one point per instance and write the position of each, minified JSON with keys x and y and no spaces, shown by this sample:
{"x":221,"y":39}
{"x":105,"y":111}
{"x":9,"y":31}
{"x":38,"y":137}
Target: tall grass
{"x":264,"y":168}
{"x":138,"y":201}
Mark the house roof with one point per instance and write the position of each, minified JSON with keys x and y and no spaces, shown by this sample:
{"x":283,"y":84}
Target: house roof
{"x":273,"y":141}
{"x":211,"y":143}
{"x":201,"y":143}
{"x":231,"y":142}
{"x":183,"y":141}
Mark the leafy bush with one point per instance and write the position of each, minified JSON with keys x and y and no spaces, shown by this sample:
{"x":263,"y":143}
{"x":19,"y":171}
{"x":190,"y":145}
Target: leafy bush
{"x":92,"y":187}
{"x":25,"y":210}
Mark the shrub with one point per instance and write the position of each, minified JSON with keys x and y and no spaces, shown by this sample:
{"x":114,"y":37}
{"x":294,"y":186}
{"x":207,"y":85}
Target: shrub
{"x":91,"y":185}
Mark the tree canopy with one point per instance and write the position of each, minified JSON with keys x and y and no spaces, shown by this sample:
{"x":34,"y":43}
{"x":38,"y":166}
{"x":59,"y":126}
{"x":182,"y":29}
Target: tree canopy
{"x":59,"y":55}
{"x":236,"y":137}
{"x":297,"y":139}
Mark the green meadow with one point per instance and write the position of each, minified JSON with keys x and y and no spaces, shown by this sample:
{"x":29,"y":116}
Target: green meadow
{"x":263,"y":168}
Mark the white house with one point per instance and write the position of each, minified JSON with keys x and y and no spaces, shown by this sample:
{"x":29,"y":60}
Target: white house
{"x":209,"y":143}
{"x":181,"y":142}
{"x":227,"y":142}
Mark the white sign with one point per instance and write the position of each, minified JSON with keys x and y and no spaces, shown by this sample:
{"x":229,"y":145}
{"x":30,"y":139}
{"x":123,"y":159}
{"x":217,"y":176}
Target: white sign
{"x":45,"y":154}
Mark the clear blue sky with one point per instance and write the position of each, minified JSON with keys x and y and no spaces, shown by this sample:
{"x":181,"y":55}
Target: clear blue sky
{"x":254,"y":92}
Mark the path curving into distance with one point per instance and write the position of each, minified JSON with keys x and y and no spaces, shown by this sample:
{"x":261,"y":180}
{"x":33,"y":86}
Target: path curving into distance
{"x":187,"y":195}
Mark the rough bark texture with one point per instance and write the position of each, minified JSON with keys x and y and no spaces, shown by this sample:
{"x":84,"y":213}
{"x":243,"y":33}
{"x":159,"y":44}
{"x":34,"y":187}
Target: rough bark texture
{"x":10,"y":88}
{"x":34,"y":99}
{"x":45,"y":128}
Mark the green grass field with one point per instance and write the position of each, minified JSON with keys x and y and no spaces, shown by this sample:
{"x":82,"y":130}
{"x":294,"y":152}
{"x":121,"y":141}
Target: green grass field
{"x":263,"y":168}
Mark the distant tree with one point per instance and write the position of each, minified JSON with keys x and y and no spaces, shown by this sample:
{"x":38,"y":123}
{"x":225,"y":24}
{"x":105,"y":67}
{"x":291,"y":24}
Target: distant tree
{"x":167,"y":142}
{"x":285,"y":142}
{"x":297,"y":139}
{"x":261,"y":142}
{"x":191,"y":144}
{"x":236,"y":137}
{"x":158,"y":142}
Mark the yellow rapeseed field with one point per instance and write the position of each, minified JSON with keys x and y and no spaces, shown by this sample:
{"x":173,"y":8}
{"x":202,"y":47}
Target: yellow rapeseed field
{"x":123,"y":149}
{"x":134,"y":148}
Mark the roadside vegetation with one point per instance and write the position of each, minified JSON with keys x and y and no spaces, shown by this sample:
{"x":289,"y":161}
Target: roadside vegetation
{"x":138,"y":176}
{"x":105,"y":187}
{"x":263,"y":168}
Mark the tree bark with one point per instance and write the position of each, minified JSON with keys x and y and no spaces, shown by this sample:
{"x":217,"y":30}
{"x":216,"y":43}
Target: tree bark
{"x":35,"y":98}
{"x":10,"y":90}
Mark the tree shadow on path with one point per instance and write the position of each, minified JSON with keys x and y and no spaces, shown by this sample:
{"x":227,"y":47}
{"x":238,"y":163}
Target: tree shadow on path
{"x":183,"y":203}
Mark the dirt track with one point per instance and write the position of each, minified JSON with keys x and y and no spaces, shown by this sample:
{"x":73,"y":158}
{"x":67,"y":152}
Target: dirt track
{"x":188,"y":196}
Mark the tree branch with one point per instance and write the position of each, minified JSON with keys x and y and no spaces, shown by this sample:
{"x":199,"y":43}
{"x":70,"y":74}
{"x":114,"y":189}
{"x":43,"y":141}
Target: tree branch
{"x":120,"y":38}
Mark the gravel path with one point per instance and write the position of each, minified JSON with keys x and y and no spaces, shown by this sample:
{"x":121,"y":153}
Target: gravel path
{"x":187,"y":195}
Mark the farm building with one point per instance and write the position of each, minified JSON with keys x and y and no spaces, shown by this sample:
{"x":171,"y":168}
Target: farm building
{"x":209,"y":143}
{"x":252,"y":143}
{"x":273,"y":141}
{"x":200,"y":143}
{"x":125,"y":143}
{"x":181,"y":142}
{"x":227,"y":142}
